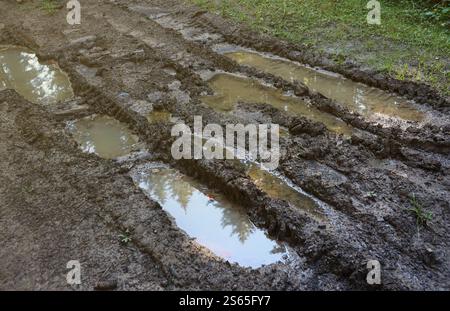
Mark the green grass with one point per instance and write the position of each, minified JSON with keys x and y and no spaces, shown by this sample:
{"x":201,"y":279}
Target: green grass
{"x":406,"y":45}
{"x":125,"y":237}
{"x":49,"y":6}
{"x":422,"y":217}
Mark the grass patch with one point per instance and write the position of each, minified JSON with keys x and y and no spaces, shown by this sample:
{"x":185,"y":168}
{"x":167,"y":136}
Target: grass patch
{"x":407,"y":44}
{"x":422,"y":217}
{"x":125,"y":237}
{"x":49,"y":6}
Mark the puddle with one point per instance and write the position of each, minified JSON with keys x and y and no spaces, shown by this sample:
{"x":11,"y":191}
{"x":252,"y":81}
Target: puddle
{"x":230,"y":89}
{"x":210,"y":218}
{"x":104,"y":136}
{"x":356,"y":96}
{"x":40,"y":83}
{"x":159,"y":117}
{"x":277,"y":188}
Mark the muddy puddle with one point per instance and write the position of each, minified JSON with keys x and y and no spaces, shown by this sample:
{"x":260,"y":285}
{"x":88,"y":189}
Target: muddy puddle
{"x":356,"y":96}
{"x":159,"y":117}
{"x":104,"y":136}
{"x":230,"y":89}
{"x":278,"y":188}
{"x":209,"y":217}
{"x":40,"y":83}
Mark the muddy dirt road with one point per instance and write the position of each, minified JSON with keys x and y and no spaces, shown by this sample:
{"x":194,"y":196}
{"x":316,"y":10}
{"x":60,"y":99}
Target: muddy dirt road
{"x":354,"y":155}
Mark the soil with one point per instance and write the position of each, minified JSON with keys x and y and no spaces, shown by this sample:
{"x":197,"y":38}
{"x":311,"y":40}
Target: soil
{"x":129,"y":57}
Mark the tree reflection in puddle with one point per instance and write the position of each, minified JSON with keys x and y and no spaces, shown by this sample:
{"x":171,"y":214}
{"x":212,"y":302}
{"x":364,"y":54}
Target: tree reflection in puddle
{"x":209,"y":217}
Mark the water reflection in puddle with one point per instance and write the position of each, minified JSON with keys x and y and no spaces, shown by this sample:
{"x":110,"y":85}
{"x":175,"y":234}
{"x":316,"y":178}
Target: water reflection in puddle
{"x":104,"y":136}
{"x":356,"y":96}
{"x":39,"y":83}
{"x":230,"y":89}
{"x":277,"y":188}
{"x":209,"y":217}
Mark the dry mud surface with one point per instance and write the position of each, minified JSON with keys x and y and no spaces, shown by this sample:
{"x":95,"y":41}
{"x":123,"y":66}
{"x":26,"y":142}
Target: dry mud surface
{"x":129,"y":57}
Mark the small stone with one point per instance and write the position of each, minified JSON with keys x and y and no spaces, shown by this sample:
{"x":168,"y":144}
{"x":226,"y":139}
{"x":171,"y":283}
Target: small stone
{"x":123,"y":96}
{"x":429,"y":256}
{"x":106,"y":285}
{"x":83,"y":39}
{"x":87,"y":41}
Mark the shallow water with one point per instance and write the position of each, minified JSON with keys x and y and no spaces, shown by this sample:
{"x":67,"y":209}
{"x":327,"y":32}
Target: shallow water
{"x":159,"y":116}
{"x":356,"y":96}
{"x":40,"y":83}
{"x":104,"y":136}
{"x":230,"y":89}
{"x":276,"y":188}
{"x":216,"y":223}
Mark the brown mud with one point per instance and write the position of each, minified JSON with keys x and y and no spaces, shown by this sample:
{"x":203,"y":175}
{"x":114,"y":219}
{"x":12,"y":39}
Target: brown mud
{"x":141,"y":60}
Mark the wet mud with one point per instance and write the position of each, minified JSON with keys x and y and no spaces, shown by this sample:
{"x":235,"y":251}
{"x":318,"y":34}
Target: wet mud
{"x":338,"y":198}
